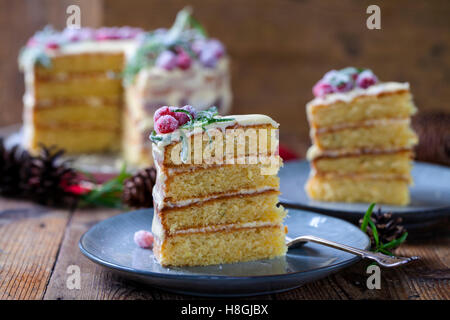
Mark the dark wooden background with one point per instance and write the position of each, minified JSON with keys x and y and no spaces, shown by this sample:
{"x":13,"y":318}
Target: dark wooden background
{"x":280,"y":48}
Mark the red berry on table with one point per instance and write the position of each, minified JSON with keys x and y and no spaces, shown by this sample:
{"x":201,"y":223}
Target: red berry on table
{"x":143,"y":238}
{"x":366,"y":79}
{"x":322,"y":88}
{"x":165,"y":110}
{"x":166,"y":124}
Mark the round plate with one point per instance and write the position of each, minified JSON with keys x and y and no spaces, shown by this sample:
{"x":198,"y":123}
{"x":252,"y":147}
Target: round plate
{"x":110,"y":243}
{"x":430,"y":194}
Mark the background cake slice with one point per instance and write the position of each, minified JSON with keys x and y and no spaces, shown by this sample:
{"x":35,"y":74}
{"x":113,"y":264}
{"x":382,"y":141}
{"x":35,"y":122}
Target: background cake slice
{"x":362,"y":139}
{"x":222,"y":212}
{"x":74,"y":93}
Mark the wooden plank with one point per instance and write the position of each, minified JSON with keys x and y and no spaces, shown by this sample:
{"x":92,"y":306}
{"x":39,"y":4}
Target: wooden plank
{"x":96,"y":282}
{"x":30,"y":236}
{"x":427,"y":279}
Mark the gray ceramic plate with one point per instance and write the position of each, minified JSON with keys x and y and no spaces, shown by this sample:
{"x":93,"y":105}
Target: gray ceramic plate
{"x":430,"y":194}
{"x":110,"y":243}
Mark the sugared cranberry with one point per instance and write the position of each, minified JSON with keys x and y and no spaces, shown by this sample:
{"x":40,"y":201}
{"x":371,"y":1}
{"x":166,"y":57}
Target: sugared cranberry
{"x":166,"y":60}
{"x":143,"y":238}
{"x":351,"y":71}
{"x":32,"y":42}
{"x":198,"y":45}
{"x":217,"y":47}
{"x":52,"y":45}
{"x":166,"y":124}
{"x":183,"y":60}
{"x":322,"y":88}
{"x":165,"y":110}
{"x":191,"y":110}
{"x":366,"y":79}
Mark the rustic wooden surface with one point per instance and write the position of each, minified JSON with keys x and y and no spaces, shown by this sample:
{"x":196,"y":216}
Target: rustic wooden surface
{"x":279,"y":48}
{"x":37,"y":244}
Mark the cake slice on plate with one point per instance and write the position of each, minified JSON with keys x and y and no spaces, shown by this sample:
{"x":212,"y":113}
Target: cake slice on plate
{"x":362,"y":139}
{"x":216,"y":192}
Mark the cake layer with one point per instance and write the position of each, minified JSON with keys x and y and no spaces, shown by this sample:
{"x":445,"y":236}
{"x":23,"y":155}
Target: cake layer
{"x":395,"y":104}
{"x":232,"y":209}
{"x":390,"y":163}
{"x":235,"y":142}
{"x":73,"y":116}
{"x":76,"y":140}
{"x":358,"y":189}
{"x":224,"y":246}
{"x":206,"y":182}
{"x":102,"y":87}
{"x":83,"y":62}
{"x":382,"y":134}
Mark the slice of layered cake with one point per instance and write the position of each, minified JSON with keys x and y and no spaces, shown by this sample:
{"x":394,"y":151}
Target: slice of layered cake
{"x":77,"y":81}
{"x":73,"y":96}
{"x":362,"y":139}
{"x":216,"y":191}
{"x":177,"y":66}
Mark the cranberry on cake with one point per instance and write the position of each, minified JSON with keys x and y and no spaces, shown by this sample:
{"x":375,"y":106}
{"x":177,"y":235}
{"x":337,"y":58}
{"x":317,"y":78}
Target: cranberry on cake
{"x":362,"y":139}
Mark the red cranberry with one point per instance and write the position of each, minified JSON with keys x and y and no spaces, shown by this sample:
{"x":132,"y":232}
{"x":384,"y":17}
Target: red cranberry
{"x":161,"y":112}
{"x":166,"y":124}
{"x":366,"y":79}
{"x":322,"y":88}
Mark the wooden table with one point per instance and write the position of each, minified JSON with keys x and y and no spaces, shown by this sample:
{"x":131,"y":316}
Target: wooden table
{"x":37,"y":244}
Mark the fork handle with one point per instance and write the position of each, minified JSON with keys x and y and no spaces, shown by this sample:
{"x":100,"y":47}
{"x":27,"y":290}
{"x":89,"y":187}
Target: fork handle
{"x":332,"y":244}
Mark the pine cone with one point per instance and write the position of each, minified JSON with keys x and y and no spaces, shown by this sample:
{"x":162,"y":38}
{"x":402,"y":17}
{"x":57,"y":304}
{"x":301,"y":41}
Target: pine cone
{"x":388,"y":227}
{"x":137,"y":190}
{"x":46,"y":176}
{"x":433,"y":129}
{"x":12,"y":163}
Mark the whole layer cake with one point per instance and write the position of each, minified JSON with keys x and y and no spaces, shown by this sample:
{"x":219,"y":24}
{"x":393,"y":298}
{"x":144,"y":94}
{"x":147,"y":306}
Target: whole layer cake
{"x":362,"y":139}
{"x":87,"y":89}
{"x":216,"y":195}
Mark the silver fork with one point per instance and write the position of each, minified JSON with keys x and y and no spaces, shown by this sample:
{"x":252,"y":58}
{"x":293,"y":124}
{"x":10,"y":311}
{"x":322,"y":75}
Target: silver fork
{"x":382,"y":259}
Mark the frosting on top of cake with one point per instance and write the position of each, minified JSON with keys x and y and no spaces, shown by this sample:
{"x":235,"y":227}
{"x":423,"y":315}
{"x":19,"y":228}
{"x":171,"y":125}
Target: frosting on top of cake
{"x":230,"y":120}
{"x":384,"y":87}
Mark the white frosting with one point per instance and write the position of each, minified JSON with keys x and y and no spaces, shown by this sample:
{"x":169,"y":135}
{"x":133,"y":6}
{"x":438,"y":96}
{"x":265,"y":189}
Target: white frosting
{"x":242,"y":120}
{"x":357,"y":92}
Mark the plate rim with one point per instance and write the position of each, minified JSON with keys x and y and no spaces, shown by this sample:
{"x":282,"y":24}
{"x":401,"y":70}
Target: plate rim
{"x":115,"y":266}
{"x":444,"y":210}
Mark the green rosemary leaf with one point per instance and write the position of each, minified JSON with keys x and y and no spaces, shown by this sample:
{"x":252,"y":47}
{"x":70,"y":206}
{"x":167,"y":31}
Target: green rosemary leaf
{"x":375,"y":233}
{"x":197,"y":25}
{"x":154,"y":137}
{"x":384,"y":251}
{"x":396,"y":242}
{"x":367,"y":216}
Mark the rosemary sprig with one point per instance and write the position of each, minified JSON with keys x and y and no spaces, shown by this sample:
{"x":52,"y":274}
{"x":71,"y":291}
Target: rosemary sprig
{"x":379,"y":245}
{"x":107,"y":194}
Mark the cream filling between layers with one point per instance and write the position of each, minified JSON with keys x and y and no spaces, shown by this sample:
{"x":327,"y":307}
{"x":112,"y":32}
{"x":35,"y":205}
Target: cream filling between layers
{"x":315,"y":152}
{"x":159,"y":232}
{"x":161,"y":203}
